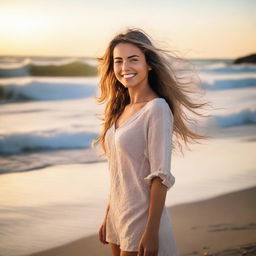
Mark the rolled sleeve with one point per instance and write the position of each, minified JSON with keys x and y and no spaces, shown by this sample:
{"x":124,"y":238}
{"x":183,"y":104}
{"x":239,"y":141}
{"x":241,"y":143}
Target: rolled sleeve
{"x":159,"y":145}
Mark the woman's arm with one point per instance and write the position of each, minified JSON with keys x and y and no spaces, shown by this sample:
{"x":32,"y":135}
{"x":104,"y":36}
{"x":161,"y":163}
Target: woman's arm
{"x":108,"y":205}
{"x":106,"y":214}
{"x":156,"y":205}
{"x":149,"y":240}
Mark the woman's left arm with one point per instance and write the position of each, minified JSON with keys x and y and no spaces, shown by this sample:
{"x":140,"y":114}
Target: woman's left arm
{"x":149,"y":240}
{"x":160,"y":179}
{"x":157,"y":201}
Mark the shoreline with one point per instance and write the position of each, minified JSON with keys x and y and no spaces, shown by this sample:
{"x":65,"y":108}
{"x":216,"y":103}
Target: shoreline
{"x":224,"y":224}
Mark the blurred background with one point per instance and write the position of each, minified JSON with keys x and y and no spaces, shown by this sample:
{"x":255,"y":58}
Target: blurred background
{"x":53,"y":185}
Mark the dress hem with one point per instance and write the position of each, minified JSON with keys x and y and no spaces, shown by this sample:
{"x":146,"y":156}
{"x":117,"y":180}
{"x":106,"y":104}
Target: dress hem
{"x":122,"y":248}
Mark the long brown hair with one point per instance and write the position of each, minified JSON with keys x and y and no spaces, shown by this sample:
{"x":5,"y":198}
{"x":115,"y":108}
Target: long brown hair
{"x":162,"y":79}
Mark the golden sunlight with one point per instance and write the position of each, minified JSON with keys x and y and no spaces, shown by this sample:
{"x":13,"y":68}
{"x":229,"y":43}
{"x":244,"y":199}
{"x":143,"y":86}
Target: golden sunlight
{"x":13,"y":24}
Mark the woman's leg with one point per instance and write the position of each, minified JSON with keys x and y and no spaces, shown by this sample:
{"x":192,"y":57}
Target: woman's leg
{"x":124,"y":253}
{"x":115,"y":249}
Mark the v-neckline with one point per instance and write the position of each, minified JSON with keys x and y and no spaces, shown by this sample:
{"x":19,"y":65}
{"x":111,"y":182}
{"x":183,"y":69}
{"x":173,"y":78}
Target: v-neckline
{"x":133,"y":116}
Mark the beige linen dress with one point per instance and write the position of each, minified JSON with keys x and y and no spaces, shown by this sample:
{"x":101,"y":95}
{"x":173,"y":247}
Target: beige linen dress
{"x":137,"y":151}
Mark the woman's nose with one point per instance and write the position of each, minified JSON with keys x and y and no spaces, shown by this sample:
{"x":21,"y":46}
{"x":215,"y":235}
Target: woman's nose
{"x":125,"y":65}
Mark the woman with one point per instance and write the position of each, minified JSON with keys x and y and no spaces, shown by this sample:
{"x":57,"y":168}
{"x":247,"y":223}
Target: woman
{"x":144,"y":102}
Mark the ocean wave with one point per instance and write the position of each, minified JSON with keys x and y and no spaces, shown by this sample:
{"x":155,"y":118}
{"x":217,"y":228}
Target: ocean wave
{"x":227,"y":68}
{"x":38,"y":90}
{"x":24,"y":142}
{"x":19,"y":62}
{"x":242,"y":117}
{"x":60,"y":68}
{"x":229,"y":83}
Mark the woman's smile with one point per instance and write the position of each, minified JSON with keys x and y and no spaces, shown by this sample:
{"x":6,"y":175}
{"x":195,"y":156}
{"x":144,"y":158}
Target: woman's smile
{"x":128,"y":76}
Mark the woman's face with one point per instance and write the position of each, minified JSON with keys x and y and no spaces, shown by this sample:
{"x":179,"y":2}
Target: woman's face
{"x":130,"y":66}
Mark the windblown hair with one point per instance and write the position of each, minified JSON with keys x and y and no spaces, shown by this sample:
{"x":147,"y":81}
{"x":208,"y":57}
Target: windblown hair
{"x":162,"y":79}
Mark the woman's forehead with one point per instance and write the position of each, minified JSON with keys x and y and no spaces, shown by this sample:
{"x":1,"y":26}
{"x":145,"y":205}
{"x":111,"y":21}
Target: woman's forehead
{"x":126,"y":50}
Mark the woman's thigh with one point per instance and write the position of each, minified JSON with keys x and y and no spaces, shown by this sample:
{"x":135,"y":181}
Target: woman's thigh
{"x":115,"y":249}
{"x":125,"y":253}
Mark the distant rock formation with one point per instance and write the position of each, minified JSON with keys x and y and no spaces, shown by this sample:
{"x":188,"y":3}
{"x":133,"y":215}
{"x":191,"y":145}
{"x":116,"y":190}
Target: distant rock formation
{"x":246,"y":59}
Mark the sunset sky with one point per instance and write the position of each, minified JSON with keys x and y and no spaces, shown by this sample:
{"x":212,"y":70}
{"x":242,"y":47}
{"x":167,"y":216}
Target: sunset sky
{"x":196,"y":29}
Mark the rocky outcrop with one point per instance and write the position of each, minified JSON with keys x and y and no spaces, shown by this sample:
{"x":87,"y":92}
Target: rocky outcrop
{"x":251,"y":59}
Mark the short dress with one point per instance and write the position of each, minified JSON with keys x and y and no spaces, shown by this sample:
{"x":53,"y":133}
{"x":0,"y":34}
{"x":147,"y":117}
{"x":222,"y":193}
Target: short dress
{"x":137,"y":151}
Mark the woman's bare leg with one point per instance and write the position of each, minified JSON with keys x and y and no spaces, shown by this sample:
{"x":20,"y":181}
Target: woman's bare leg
{"x":124,"y":253}
{"x":115,"y":249}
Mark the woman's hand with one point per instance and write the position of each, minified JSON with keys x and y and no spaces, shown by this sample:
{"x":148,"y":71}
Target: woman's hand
{"x":148,"y":245}
{"x":102,"y":232}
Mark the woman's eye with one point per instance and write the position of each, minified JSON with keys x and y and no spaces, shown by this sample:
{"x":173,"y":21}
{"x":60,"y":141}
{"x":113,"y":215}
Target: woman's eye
{"x":119,"y":61}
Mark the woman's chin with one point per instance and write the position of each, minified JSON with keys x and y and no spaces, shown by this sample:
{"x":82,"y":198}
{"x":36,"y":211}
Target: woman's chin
{"x":129,"y":85}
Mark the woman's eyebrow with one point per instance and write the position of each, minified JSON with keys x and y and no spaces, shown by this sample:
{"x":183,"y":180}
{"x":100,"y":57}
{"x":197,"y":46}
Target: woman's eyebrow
{"x":127,"y":57}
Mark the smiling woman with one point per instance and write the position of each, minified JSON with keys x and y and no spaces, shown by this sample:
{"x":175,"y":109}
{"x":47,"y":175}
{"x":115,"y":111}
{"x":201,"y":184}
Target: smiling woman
{"x":144,"y":99}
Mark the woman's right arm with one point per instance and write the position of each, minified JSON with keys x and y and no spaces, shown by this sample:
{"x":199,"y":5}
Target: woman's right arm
{"x":108,"y":206}
{"x":102,"y":230}
{"x":106,"y":212}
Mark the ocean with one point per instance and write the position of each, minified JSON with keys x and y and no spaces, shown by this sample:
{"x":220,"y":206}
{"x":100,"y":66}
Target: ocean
{"x":54,"y":186}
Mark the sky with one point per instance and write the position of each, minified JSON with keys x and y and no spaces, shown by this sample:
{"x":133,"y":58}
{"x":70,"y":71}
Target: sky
{"x":190,"y":28}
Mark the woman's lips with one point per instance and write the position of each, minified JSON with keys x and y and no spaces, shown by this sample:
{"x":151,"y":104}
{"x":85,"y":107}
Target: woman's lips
{"x":128,"y":76}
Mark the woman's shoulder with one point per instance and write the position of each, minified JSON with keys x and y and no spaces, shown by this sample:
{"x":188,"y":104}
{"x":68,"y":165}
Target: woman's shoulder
{"x":158,"y":106}
{"x":159,"y":101}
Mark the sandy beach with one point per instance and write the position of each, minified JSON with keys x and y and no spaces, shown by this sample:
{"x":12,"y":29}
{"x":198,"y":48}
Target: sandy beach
{"x":223,"y":225}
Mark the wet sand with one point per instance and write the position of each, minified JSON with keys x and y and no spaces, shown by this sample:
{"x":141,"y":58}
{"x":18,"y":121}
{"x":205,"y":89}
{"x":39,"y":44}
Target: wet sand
{"x":224,"y":225}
